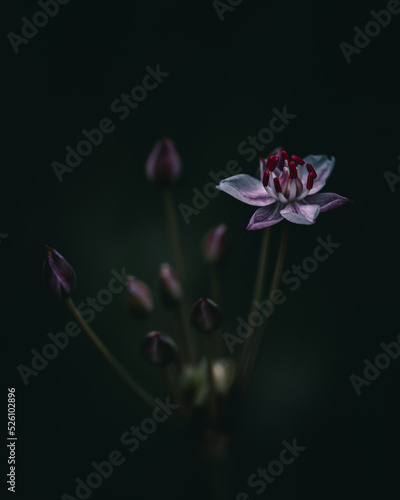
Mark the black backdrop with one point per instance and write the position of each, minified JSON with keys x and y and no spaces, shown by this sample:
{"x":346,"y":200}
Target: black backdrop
{"x":225,"y":78}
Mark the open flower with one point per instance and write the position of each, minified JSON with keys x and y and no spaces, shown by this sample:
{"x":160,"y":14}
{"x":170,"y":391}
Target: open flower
{"x":287,"y":190}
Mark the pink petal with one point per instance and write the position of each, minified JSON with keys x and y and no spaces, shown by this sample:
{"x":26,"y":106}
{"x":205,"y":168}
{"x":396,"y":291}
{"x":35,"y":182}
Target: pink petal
{"x":299,"y":213}
{"x":323,"y":167}
{"x":327,"y":201}
{"x":265,"y":217}
{"x":246,"y":189}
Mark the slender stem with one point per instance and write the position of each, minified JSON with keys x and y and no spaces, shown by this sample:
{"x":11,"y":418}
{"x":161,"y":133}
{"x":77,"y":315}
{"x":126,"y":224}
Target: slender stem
{"x":274,"y":285}
{"x":175,"y":392}
{"x":215,"y":284}
{"x":174,"y":233}
{"x":182,"y":336}
{"x":258,"y":287}
{"x":210,"y":377}
{"x":216,"y":297}
{"x":142,"y":393}
{"x":178,"y":262}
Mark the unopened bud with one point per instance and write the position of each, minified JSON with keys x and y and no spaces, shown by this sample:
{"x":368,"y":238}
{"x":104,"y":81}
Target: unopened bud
{"x":216,"y":245}
{"x":170,"y":287}
{"x":139,"y":298}
{"x":205,"y":316}
{"x":159,"y":349}
{"x":164,"y":165}
{"x":58,"y":275}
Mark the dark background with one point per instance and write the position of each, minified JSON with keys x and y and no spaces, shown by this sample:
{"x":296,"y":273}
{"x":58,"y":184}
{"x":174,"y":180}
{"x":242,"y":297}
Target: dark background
{"x":225,"y":79}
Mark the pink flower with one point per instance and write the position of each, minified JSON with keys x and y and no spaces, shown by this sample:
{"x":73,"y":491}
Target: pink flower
{"x":287,"y":190}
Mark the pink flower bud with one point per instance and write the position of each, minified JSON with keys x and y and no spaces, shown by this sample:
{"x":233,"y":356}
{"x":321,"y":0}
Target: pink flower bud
{"x":139,"y":298}
{"x":216,"y":245}
{"x":58,"y":276}
{"x":159,"y":349}
{"x":163,"y":166}
{"x":205,"y":316}
{"x":170,"y":287}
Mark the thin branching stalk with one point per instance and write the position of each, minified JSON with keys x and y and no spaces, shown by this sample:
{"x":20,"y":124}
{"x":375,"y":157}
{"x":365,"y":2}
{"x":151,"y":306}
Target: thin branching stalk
{"x":259,"y":338}
{"x":210,"y":377}
{"x":215,"y":280}
{"x":186,"y":351}
{"x":258,"y":288}
{"x":179,"y":264}
{"x":175,"y":392}
{"x":138,"y":389}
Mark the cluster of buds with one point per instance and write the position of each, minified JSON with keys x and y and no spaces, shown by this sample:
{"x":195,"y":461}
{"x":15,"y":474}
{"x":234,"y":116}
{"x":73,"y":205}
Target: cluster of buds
{"x":204,"y":384}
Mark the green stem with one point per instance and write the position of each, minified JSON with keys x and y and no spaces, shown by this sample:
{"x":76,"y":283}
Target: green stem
{"x":174,"y":233}
{"x":142,"y":393}
{"x":210,"y":377}
{"x":175,"y":393}
{"x":258,"y":287}
{"x":216,"y":297}
{"x":275,"y":283}
{"x":178,"y":262}
{"x":183,"y":342}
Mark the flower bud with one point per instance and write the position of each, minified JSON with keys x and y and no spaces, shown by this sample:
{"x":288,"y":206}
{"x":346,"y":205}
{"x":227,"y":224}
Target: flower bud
{"x":163,"y":166}
{"x":159,"y":349}
{"x":58,"y":276}
{"x":205,"y":316}
{"x":216,"y":245}
{"x":139,"y":298}
{"x":170,"y":287}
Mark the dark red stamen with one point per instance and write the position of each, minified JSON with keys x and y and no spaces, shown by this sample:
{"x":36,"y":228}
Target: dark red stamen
{"x":310,"y":180}
{"x":285,"y":156}
{"x":298,"y":160}
{"x":293,"y":170}
{"x":277,"y":184}
{"x":272,"y":162}
{"x":311,"y":170}
{"x":265,"y":180}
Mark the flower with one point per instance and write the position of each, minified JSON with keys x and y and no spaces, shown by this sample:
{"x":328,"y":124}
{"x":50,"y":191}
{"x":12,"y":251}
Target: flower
{"x":288,"y":189}
{"x":159,"y":349}
{"x":170,"y":288}
{"x":163,"y":166}
{"x":58,"y":275}
{"x":205,"y":316}
{"x":138,"y":297}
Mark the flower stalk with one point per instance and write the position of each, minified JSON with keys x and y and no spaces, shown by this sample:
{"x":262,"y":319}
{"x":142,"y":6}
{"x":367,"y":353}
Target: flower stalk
{"x":138,"y":389}
{"x":258,"y":289}
{"x":210,"y":377}
{"x":260,"y":336}
{"x":187,"y":346}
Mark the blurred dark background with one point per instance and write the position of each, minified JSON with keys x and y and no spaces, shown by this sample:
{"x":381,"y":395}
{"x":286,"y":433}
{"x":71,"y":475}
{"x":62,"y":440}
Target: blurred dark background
{"x":225,"y":79}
